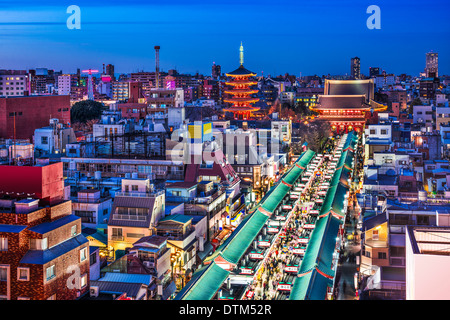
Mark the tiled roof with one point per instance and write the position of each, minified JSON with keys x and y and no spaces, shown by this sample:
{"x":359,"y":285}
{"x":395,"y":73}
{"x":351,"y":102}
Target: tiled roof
{"x":181,"y":218}
{"x":11,"y":228}
{"x":153,"y":239}
{"x":127,"y":278}
{"x":131,"y":289}
{"x":342,"y":102}
{"x":49,"y":226}
{"x":132,"y":202}
{"x":44,"y":256}
{"x":181,"y":184}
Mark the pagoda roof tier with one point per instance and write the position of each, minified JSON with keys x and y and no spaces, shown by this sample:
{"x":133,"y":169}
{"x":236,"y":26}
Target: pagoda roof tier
{"x":347,"y":102}
{"x":241,"y":100}
{"x":241,"y":83}
{"x":241,"y":71}
{"x":241,"y":91}
{"x":239,"y":109}
{"x":342,"y":119}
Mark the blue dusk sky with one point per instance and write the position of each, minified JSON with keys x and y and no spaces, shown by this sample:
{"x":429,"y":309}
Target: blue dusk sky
{"x":279,"y":36}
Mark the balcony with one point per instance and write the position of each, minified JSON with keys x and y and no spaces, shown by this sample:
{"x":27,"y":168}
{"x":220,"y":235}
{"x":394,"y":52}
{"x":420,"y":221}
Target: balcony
{"x":139,"y":194}
{"x":375,"y":243}
{"x":89,"y":200}
{"x":401,"y":222}
{"x":129,"y":217}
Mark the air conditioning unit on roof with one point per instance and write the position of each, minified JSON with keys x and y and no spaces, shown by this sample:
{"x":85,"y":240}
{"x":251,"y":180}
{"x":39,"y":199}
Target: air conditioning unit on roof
{"x":93,"y":292}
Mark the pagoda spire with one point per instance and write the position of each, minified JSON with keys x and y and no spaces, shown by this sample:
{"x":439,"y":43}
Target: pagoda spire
{"x":241,"y":54}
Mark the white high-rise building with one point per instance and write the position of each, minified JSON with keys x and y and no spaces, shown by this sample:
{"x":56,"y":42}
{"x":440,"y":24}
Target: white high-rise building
{"x":64,"y":85}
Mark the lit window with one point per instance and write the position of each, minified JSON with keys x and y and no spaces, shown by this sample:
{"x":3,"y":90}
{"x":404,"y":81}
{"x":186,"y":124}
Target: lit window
{"x":83,"y":254}
{"x":3,"y":244}
{"x":83,"y":281}
{"x":23,"y":274}
{"x":50,"y":272}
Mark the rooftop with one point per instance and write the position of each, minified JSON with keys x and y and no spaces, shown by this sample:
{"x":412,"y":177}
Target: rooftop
{"x":430,"y":240}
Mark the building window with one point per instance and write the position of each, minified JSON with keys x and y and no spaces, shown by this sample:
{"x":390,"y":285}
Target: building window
{"x":44,"y":140}
{"x":23,"y":274}
{"x":372,"y":131}
{"x":3,"y":273}
{"x":92,"y":259}
{"x":83,"y":254}
{"x":176,"y":193}
{"x":117,"y":234}
{"x":135,"y":235}
{"x":134,"y":188}
{"x":38,"y":244}
{"x":3,"y":244}
{"x":50,"y":272}
{"x":367,"y":254}
{"x":381,"y":255}
{"x":83,"y":281}
{"x":383,"y":131}
{"x":73,"y":230}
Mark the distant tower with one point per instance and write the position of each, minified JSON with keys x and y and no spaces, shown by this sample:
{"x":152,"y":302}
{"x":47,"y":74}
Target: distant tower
{"x":216,"y":71}
{"x":157,"y":66}
{"x":355,"y":68}
{"x":241,"y":54}
{"x":90,"y":83}
{"x":110,"y":71}
{"x":431,"y":68}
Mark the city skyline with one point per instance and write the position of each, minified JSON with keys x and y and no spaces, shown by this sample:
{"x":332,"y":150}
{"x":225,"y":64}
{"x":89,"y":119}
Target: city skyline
{"x":296,"y":41}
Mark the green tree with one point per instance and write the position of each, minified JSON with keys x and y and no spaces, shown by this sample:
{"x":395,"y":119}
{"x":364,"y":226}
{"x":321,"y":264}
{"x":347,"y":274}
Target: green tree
{"x":83,"y":111}
{"x":415,"y":102}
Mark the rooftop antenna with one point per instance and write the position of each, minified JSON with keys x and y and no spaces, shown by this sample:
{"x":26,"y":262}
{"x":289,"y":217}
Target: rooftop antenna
{"x":241,"y":54}
{"x":90,"y":84}
{"x":157,"y":65}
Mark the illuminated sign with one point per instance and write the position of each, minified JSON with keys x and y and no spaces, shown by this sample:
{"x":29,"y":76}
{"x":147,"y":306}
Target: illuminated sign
{"x":256,"y":255}
{"x":284,"y":287}
{"x":272,"y":229}
{"x":302,"y":240}
{"x":246,"y":270}
{"x":264,"y":243}
{"x":314,"y":212}
{"x":309,"y":226}
{"x":298,"y":250}
{"x":291,"y":269}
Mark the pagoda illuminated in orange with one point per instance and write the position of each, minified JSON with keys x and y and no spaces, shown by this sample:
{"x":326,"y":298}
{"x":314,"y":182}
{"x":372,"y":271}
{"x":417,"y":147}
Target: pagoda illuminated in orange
{"x":241,"y":91}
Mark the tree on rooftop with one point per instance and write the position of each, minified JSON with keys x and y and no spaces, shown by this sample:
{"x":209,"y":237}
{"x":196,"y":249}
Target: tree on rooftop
{"x":86,"y":110}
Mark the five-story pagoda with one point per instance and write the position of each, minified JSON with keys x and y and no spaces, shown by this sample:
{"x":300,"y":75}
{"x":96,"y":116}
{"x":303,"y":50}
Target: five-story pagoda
{"x":241,"y":92}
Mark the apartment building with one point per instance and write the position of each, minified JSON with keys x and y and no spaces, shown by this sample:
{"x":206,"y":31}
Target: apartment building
{"x":43,"y":255}
{"x":14,"y":83}
{"x":135,"y":213}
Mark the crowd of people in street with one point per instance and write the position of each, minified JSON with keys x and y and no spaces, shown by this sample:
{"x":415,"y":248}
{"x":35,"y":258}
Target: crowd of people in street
{"x":272,"y":271}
